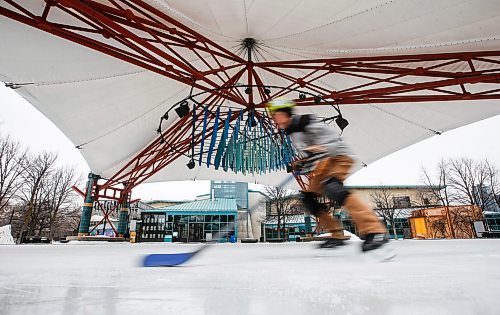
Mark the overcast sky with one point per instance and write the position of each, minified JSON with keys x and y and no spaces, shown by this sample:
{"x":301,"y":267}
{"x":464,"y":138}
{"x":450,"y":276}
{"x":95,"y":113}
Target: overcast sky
{"x":479,"y":141}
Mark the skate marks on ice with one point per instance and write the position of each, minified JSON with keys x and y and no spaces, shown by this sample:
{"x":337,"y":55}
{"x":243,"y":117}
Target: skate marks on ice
{"x":448,"y":277}
{"x":352,"y":251}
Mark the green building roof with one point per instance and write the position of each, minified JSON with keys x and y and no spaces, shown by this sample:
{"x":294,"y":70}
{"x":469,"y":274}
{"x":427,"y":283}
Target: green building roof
{"x":208,"y":205}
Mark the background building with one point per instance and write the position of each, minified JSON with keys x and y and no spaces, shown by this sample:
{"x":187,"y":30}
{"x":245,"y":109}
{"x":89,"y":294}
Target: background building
{"x":492,"y":224}
{"x":156,"y":204}
{"x":400,"y":196}
{"x":407,"y":211}
{"x":445,"y":222}
{"x":230,"y":190}
{"x":204,"y":220}
{"x":393,"y":204}
{"x":251,"y":205}
{"x":486,"y":198}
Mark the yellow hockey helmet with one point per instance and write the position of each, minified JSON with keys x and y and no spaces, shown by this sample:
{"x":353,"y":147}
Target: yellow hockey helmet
{"x":280,"y":104}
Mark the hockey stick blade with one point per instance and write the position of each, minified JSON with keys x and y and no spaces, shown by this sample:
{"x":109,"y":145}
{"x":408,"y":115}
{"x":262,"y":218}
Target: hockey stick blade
{"x":170,"y":260}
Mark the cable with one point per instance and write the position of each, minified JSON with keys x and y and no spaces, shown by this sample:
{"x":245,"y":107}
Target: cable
{"x":333,"y":22}
{"x":405,"y":120}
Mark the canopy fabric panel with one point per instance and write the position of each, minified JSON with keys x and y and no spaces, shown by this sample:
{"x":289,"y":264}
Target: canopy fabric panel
{"x":110,"y":108}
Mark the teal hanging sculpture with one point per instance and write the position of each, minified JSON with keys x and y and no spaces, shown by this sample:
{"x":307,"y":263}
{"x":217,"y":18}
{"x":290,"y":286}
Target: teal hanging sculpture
{"x":248,"y":143}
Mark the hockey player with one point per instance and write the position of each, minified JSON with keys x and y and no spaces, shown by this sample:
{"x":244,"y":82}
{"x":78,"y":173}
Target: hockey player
{"x":328,"y":162}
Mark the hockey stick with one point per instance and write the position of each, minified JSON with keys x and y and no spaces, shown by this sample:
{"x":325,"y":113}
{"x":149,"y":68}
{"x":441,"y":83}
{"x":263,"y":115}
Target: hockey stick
{"x":176,"y":259}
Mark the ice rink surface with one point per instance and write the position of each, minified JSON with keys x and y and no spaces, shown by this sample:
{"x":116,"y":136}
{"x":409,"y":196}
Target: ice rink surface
{"x":427,"y":277}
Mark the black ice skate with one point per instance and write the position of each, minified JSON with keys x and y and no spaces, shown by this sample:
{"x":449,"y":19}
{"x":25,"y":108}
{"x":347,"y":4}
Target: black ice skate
{"x":332,"y":243}
{"x":374,"y":241}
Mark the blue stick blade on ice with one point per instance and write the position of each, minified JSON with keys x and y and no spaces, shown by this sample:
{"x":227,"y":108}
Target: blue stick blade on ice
{"x":167,"y":260}
{"x":170,"y":260}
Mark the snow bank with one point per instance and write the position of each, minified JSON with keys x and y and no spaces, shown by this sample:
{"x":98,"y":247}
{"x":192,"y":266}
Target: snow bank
{"x":353,"y":237}
{"x":6,"y":235}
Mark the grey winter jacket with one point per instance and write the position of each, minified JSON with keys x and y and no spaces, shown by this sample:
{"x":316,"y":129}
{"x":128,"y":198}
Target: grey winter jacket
{"x":307,"y":130}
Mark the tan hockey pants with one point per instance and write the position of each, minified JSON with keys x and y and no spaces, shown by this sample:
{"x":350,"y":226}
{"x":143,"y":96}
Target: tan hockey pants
{"x":361,"y":213}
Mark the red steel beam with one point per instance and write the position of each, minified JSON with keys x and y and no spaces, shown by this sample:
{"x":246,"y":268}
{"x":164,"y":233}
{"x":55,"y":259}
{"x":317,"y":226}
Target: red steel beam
{"x":145,"y":54}
{"x":156,"y":42}
{"x":391,"y":59}
{"x":147,"y":164}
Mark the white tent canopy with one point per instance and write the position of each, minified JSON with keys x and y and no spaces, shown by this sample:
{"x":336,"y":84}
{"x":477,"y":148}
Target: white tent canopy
{"x":112,"y":108}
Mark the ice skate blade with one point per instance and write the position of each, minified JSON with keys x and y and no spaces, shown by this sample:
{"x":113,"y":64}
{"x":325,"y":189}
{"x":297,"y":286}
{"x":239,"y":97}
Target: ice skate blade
{"x":384,"y":253}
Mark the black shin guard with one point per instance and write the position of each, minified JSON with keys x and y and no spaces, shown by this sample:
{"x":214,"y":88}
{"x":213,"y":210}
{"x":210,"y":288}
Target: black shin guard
{"x":335,"y":190}
{"x":309,"y":199}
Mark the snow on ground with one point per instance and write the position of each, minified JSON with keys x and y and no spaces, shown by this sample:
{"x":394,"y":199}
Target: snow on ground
{"x":428,"y":277}
{"x":6,"y":235}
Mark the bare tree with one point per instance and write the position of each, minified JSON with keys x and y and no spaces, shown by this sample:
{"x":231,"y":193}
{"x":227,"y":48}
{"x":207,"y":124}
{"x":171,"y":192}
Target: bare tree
{"x":438,"y":226}
{"x":35,"y":181}
{"x":35,"y":195}
{"x":471,"y":182}
{"x":60,"y":194}
{"x":282,"y":202}
{"x":487,"y":191}
{"x":439,"y":189}
{"x":12,"y":165}
{"x":387,"y":209}
{"x":464,"y":181}
{"x":463,"y":218}
{"x":463,"y":177}
{"x":67,"y":222}
{"x":493,"y":180}
{"x":443,"y":190}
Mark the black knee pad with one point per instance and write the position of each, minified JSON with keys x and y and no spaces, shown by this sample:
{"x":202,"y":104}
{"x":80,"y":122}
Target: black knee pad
{"x":310,"y":201}
{"x":335,"y":190}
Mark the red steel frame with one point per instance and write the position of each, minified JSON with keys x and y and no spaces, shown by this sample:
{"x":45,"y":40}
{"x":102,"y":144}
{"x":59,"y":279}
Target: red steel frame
{"x":143,"y":35}
{"x":106,"y":217}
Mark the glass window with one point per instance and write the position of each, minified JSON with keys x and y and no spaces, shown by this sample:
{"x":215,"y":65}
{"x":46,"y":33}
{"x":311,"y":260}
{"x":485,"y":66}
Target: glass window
{"x":215,"y":226}
{"x":215,"y":218}
{"x":208,"y":218}
{"x":223,"y":218}
{"x":200,"y":218}
{"x":401,"y":202}
{"x":230,"y":218}
{"x":177,"y":218}
{"x":184,"y":218}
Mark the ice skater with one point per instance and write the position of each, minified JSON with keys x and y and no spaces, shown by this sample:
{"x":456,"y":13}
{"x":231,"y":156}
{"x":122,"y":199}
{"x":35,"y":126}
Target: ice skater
{"x":328,"y":161}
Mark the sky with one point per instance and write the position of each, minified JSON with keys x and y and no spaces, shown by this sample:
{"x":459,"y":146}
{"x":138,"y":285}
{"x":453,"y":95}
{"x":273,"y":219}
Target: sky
{"x":479,"y":141}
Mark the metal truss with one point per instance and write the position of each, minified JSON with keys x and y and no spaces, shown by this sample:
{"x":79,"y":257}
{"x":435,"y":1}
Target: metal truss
{"x":140,"y":34}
